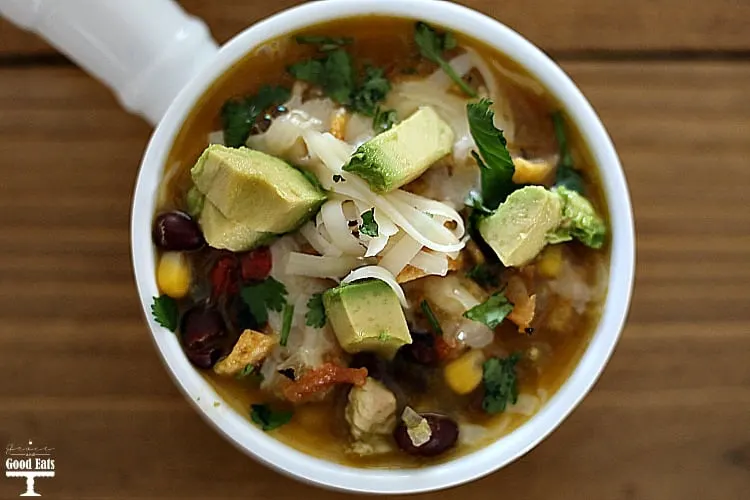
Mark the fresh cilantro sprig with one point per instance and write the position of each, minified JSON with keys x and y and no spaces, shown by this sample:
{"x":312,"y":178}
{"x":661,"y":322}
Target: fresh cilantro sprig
{"x":334,"y":73}
{"x":431,"y":318}
{"x":384,"y":120}
{"x":286,"y":325}
{"x":496,"y":165}
{"x":485,"y":275}
{"x":261,"y":297}
{"x":369,"y":225}
{"x":239,"y":115}
{"x":492,"y":311}
{"x":567,"y":175}
{"x":316,"y":313}
{"x":500,"y":383}
{"x":432,"y":44}
{"x":268,"y":419}
{"x":165,"y":312}
{"x":250,"y":372}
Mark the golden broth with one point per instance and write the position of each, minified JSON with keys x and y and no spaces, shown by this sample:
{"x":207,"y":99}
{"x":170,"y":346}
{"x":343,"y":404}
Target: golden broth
{"x":319,"y":429}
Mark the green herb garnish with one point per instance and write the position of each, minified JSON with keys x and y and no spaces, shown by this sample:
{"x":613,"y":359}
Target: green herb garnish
{"x":316,"y":313}
{"x":496,"y":165}
{"x":250,"y":372}
{"x":334,"y":73}
{"x":369,"y":225}
{"x":371,"y":90}
{"x":165,"y":312}
{"x":427,"y":310}
{"x":383,"y":120}
{"x":264,"y":296}
{"x":268,"y":419}
{"x":239,"y":115}
{"x":432,"y":45}
{"x":485,"y":275}
{"x":567,"y":175}
{"x":492,"y":311}
{"x":324,"y":43}
{"x":286,"y":325}
{"x":500,"y":383}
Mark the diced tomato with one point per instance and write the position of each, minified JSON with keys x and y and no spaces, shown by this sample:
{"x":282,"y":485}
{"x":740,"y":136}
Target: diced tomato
{"x":256,"y":265}
{"x":224,"y":276}
{"x":322,"y":378}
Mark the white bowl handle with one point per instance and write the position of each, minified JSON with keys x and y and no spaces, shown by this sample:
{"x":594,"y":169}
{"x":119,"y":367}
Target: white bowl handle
{"x":144,"y":50}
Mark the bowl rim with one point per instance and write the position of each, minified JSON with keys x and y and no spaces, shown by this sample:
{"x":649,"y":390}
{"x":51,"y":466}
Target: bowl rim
{"x":282,"y":457}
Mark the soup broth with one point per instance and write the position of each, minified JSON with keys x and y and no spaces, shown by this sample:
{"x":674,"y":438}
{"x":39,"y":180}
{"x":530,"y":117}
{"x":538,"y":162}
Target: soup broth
{"x":548,"y":348}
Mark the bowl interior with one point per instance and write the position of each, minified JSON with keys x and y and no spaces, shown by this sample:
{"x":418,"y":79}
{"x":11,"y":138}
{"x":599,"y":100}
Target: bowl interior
{"x":290,"y":461}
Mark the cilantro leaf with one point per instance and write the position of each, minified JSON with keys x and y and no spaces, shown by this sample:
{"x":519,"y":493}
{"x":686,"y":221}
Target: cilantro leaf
{"x":372,"y":90}
{"x":369,"y":225}
{"x":485,"y":275}
{"x":492,"y":311}
{"x":239,"y":115}
{"x":500,"y":383}
{"x":334,"y":73}
{"x":165,"y":312}
{"x":286,"y":326}
{"x":268,"y":419}
{"x":250,"y":372}
{"x":567,"y":175}
{"x":427,"y":310}
{"x":383,"y":120}
{"x":316,"y":313}
{"x":260,"y":297}
{"x":324,"y":43}
{"x":432,"y":45}
{"x":496,"y":166}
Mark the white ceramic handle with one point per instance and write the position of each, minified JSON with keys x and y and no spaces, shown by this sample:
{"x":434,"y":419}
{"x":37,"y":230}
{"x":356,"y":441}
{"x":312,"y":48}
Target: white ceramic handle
{"x":144,"y":50}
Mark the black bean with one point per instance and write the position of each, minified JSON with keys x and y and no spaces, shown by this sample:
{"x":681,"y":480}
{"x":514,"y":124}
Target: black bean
{"x":421,"y":350}
{"x":203,"y":336}
{"x":444,"y":436}
{"x":177,"y":231}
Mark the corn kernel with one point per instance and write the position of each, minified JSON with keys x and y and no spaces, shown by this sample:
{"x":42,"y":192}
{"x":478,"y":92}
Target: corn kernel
{"x":550,"y":262}
{"x":464,"y":374}
{"x":173,"y":275}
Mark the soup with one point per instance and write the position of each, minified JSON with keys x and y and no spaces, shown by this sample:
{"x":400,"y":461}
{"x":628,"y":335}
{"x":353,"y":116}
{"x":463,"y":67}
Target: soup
{"x":381,"y":242}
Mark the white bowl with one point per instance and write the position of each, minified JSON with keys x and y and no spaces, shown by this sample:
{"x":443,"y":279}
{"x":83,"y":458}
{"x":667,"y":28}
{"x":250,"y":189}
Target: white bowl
{"x":281,"y":457}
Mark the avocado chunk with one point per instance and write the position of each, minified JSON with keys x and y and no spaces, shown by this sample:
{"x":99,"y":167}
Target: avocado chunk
{"x":229,"y":234}
{"x":403,"y":153}
{"x":248,"y":193}
{"x":518,"y":229}
{"x":579,"y":220}
{"x":367,"y":316}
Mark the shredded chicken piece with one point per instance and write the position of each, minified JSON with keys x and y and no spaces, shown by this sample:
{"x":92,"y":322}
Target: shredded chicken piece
{"x":338,"y":123}
{"x":524,"y":304}
{"x":251,"y":348}
{"x":322,"y":378}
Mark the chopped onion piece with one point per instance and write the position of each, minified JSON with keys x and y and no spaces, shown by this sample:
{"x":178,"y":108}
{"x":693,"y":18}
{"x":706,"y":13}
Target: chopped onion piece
{"x":525,"y":405}
{"x":315,"y":266}
{"x":216,"y":137}
{"x":417,"y":427}
{"x":379,"y":273}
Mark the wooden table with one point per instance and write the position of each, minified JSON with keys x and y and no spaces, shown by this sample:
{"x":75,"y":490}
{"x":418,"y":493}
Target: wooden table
{"x":670,"y":418}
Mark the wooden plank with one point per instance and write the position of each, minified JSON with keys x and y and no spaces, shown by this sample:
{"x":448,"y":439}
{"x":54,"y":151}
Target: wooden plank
{"x":668,"y":419}
{"x":558,"y":27}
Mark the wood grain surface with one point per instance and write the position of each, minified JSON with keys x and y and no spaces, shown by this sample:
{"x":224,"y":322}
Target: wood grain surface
{"x":670,"y":418}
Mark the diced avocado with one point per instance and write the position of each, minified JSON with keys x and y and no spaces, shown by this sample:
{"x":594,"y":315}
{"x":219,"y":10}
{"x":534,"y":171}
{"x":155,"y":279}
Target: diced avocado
{"x":232,"y":235}
{"x":579,"y":220}
{"x":518,"y":230}
{"x":367,"y":316}
{"x":403,"y":153}
{"x":250,"y":193}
